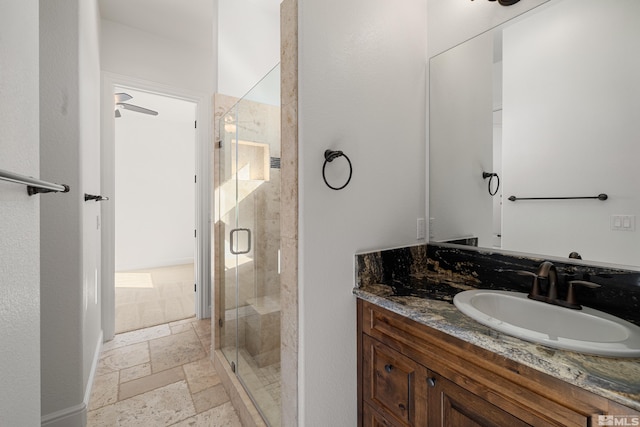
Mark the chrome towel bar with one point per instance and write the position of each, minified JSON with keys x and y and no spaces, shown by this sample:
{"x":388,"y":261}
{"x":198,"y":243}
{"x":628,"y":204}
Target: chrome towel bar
{"x":34,"y":186}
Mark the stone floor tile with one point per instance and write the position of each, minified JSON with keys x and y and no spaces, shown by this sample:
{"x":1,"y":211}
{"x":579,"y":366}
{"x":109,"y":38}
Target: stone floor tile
{"x":104,"y":391}
{"x":107,"y":416}
{"x":150,"y":382}
{"x":182,"y":327}
{"x":210,"y":398}
{"x":220,"y":416}
{"x":200,"y":375}
{"x":135,"y":372}
{"x":202,"y":327}
{"x":123,"y":357}
{"x":175,"y":350}
{"x":135,"y":337}
{"x":183,"y":321}
{"x":160,"y":407}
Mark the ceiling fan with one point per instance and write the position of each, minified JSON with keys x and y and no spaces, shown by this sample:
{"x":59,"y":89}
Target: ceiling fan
{"x":121,"y":98}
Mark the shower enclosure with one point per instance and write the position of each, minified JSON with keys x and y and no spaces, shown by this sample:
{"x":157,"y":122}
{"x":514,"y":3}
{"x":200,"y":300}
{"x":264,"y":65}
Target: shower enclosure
{"x":247,"y":228}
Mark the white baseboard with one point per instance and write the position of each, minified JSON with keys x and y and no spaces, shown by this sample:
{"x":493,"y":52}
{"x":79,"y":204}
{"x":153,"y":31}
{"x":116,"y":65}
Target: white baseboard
{"x":75,"y":416}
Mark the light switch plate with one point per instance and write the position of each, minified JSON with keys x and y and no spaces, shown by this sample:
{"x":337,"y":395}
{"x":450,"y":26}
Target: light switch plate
{"x":623,"y":222}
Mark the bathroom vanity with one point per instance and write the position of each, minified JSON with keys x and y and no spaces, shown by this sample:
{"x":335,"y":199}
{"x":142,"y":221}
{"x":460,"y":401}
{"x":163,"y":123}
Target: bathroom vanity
{"x":422,"y":362}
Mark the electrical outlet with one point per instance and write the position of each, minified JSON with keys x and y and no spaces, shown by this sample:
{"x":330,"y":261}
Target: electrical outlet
{"x":421,"y":227}
{"x":432,"y":230}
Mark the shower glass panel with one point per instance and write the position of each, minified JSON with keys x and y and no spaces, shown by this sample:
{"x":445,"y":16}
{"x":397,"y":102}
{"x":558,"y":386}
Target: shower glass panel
{"x":248,"y":198}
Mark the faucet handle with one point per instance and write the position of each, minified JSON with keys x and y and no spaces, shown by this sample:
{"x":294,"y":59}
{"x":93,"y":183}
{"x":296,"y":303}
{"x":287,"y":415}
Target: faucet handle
{"x":571,"y":294}
{"x":526,"y":273}
{"x":535,"y":288}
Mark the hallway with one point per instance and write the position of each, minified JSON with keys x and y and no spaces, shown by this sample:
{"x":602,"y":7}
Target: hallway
{"x":160,"y":376}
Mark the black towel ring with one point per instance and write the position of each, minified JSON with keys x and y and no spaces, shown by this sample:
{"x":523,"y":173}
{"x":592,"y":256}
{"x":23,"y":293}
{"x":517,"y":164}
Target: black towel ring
{"x":330,"y":156}
{"x":486,"y":175}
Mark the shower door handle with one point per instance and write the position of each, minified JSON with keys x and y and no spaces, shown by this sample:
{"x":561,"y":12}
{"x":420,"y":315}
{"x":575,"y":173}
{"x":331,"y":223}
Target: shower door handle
{"x":232,"y":248}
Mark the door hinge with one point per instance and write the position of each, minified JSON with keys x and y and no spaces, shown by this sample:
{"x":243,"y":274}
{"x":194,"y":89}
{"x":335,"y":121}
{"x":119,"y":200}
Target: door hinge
{"x":195,"y":287}
{"x":233,"y":367}
{"x":220,"y":322}
{"x":195,"y":233}
{"x":219,"y":144}
{"x":195,"y":124}
{"x":195,"y":179}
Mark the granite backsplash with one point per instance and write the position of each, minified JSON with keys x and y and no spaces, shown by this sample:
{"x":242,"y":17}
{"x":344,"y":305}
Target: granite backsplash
{"x":439,"y":271}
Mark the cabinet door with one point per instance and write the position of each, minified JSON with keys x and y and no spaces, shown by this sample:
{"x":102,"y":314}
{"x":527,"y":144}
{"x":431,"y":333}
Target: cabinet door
{"x":394,"y":384}
{"x":452,"y":406}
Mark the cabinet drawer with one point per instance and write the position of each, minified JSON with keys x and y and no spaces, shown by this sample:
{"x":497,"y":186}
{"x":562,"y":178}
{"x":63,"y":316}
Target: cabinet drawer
{"x":372,"y":418}
{"x":394,"y":383}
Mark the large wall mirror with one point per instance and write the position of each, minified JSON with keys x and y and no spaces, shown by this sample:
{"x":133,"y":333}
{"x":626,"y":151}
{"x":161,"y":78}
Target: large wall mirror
{"x":550,"y":102}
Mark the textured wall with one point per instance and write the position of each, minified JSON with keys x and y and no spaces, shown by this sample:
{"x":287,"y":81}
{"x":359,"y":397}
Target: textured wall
{"x":19,"y":213}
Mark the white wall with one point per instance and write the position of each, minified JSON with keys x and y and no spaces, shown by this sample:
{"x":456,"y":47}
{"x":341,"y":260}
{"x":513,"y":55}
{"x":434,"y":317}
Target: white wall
{"x":20,"y":213}
{"x":248,"y":43}
{"x":69,"y":149}
{"x":362,"y":90}
{"x":155,"y":166}
{"x":585,"y":141}
{"x":131,"y":52}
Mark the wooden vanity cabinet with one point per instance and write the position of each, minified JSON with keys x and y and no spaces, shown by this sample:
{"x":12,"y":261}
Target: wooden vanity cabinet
{"x":413,"y":375}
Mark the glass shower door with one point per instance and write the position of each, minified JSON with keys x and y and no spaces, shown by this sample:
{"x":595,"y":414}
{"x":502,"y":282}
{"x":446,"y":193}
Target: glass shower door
{"x":227,"y":221}
{"x":227,"y":265}
{"x":249,"y":225}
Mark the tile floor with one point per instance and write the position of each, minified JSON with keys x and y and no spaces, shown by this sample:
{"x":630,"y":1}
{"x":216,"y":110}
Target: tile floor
{"x":160,"y":376}
{"x":149,"y":297}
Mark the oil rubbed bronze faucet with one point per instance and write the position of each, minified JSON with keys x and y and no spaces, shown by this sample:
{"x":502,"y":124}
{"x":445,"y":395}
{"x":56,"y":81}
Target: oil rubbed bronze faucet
{"x":548,"y":272}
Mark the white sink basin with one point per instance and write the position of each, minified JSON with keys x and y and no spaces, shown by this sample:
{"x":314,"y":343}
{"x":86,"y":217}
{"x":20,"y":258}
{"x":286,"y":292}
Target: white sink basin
{"x":586,"y":331}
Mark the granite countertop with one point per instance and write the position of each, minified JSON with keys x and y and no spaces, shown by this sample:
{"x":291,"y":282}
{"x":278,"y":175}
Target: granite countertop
{"x":617,"y":379}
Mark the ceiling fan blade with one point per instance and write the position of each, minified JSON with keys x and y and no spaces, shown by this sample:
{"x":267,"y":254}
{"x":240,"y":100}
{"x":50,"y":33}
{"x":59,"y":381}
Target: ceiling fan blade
{"x":122,"y":97}
{"x":118,"y":114}
{"x":137,"y":109}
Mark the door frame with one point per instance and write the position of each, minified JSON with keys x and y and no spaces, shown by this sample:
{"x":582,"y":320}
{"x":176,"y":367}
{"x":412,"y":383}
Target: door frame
{"x":202,"y":161}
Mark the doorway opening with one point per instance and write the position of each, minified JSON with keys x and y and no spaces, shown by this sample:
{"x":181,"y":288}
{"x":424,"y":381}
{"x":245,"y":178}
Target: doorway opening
{"x":155,"y":209}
